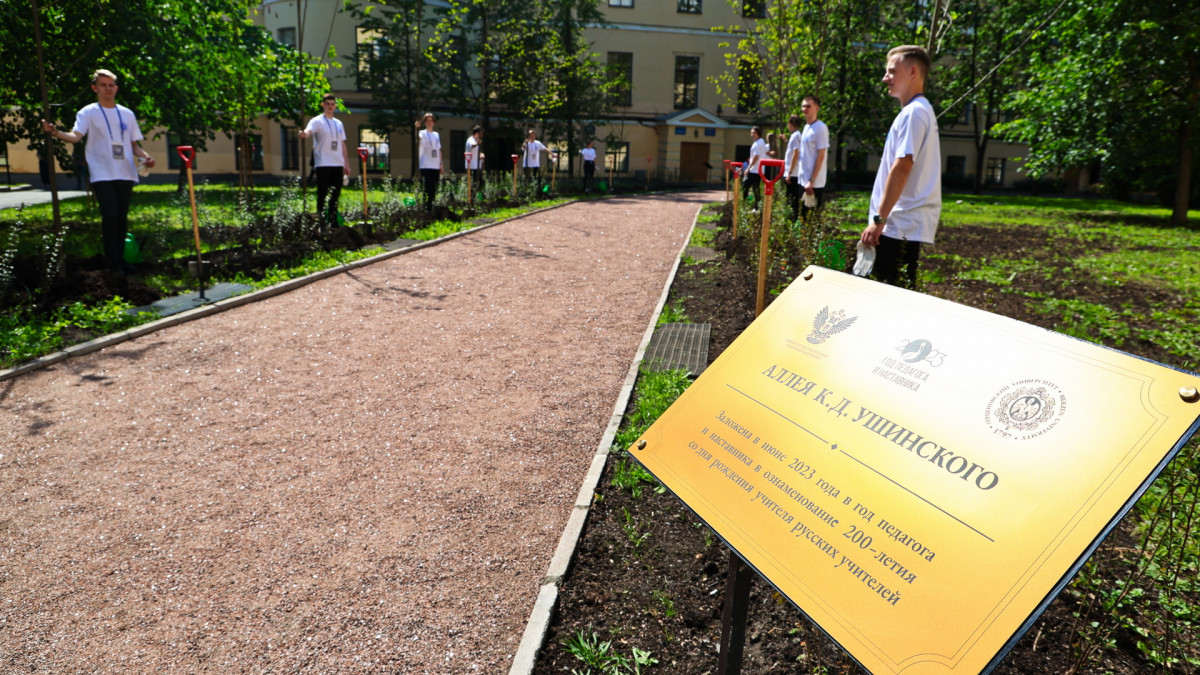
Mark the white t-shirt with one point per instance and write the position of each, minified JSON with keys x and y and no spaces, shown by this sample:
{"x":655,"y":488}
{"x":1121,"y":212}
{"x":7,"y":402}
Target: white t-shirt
{"x":110,"y":133}
{"x":473,"y":150}
{"x":914,"y":132}
{"x":759,"y":151}
{"x":429,"y":147}
{"x":589,"y":154}
{"x":328,"y":136}
{"x":815,"y":137}
{"x":792,"y":154}
{"x":533,"y":155}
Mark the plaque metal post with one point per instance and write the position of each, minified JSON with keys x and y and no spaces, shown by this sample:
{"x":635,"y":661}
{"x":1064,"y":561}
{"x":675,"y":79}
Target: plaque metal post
{"x":733,"y":618}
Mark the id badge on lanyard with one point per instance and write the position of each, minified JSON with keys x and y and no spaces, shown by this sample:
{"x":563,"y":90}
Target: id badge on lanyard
{"x":118,"y":149}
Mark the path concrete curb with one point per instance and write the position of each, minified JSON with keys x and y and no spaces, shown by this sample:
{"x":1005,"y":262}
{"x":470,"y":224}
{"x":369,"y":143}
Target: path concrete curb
{"x":543,"y":608}
{"x":239,"y":300}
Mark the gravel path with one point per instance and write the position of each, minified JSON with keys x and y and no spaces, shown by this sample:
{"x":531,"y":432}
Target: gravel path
{"x":368,"y":474}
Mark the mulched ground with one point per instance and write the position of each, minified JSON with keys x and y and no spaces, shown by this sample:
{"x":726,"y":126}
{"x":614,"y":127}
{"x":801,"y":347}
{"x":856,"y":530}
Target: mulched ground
{"x":665,"y":595}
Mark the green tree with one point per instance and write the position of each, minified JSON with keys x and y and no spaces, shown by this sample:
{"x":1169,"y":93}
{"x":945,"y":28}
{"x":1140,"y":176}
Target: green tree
{"x":395,"y":64}
{"x":490,"y":56}
{"x":988,"y":64}
{"x":574,"y":91}
{"x":833,"y":49}
{"x":1116,"y":83}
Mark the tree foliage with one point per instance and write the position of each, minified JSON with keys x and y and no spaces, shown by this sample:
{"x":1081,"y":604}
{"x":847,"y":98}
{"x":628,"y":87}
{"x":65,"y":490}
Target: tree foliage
{"x":1116,"y":83}
{"x":832,"y":49}
{"x":191,"y":67}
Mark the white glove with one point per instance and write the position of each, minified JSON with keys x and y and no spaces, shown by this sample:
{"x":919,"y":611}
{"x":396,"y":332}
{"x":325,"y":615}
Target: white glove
{"x":810,"y":200}
{"x":864,"y":260}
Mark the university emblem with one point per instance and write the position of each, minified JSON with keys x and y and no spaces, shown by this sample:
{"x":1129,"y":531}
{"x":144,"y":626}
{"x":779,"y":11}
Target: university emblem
{"x":1026,"y":409}
{"x":829,"y":323}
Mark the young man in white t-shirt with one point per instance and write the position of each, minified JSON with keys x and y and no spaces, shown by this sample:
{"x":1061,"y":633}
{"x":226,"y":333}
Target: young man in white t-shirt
{"x":475,"y":157}
{"x":791,"y":165}
{"x":906,"y":201}
{"x":429,"y":154}
{"x":113,"y":134}
{"x":751,"y":178}
{"x":331,"y":160}
{"x":531,"y":155}
{"x":589,"y":165}
{"x":814,"y":142}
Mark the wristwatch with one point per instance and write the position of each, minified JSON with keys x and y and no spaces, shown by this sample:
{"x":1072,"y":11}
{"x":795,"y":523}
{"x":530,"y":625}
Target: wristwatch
{"x":878,"y":219}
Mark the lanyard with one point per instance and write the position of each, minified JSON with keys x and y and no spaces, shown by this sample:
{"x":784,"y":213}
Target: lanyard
{"x":120,"y":122}
{"x":329,"y":125}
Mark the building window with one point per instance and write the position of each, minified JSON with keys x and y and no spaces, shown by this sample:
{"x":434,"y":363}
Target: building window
{"x":287,"y":36}
{"x":620,"y":76}
{"x":688,"y":6}
{"x":967,"y":114}
{"x":256,"y":152}
{"x":290,"y":143}
{"x":617,"y":152}
{"x":754,"y":9}
{"x":687,"y":81}
{"x":620,"y":3}
{"x":956,"y":165}
{"x":379,"y":153}
{"x":371,"y":50}
{"x":458,"y":150}
{"x":174,"y":161}
{"x":748,"y":86}
{"x":995,"y":171}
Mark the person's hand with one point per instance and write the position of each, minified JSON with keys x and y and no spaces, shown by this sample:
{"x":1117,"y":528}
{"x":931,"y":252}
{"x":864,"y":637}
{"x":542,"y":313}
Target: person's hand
{"x":48,"y":127}
{"x":149,"y":161}
{"x":303,"y":134}
{"x":870,"y":236}
{"x":808,"y":187}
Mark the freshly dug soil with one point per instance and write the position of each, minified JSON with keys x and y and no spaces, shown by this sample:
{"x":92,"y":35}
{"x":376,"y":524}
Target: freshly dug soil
{"x":367,"y":474}
{"x":664,"y":593}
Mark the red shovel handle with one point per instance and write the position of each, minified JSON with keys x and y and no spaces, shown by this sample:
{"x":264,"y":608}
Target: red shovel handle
{"x":769,"y":182}
{"x":363,"y":153}
{"x":186,"y":153}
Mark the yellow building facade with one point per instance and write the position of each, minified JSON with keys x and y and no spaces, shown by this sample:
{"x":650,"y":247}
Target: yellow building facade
{"x":672,"y":123}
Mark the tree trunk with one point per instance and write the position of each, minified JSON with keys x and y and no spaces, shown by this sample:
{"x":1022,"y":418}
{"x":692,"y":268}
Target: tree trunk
{"x":1183,"y":182}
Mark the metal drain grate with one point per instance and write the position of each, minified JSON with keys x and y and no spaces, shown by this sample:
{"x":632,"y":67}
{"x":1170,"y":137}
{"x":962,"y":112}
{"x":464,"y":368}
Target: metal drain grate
{"x":679,"y":346}
{"x":182,"y":303}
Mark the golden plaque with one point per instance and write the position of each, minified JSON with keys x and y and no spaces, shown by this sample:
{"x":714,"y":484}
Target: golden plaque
{"x":920,"y":478}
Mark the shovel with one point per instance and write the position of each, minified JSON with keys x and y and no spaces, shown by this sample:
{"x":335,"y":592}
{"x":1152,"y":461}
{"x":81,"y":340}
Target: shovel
{"x":764,"y":242}
{"x":363,"y":153}
{"x":187,"y":153}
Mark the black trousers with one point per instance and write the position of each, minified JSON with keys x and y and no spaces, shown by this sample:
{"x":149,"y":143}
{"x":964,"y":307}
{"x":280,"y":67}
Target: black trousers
{"x":793,"y":195}
{"x":892,"y":254}
{"x":476,"y":180}
{"x":113,"y":197}
{"x":752,"y":180}
{"x":329,"y":184}
{"x":589,"y":172}
{"x":819,"y":193}
{"x":429,"y":178}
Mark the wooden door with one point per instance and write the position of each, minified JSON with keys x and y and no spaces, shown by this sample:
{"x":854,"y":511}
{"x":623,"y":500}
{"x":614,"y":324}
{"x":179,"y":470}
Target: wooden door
{"x":692,"y":160}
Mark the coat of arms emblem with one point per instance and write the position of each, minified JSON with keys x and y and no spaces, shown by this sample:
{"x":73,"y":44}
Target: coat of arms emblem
{"x":829,"y":323}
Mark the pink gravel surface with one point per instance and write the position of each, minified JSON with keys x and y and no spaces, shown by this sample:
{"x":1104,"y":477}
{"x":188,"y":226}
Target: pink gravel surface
{"x":367,"y":474}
